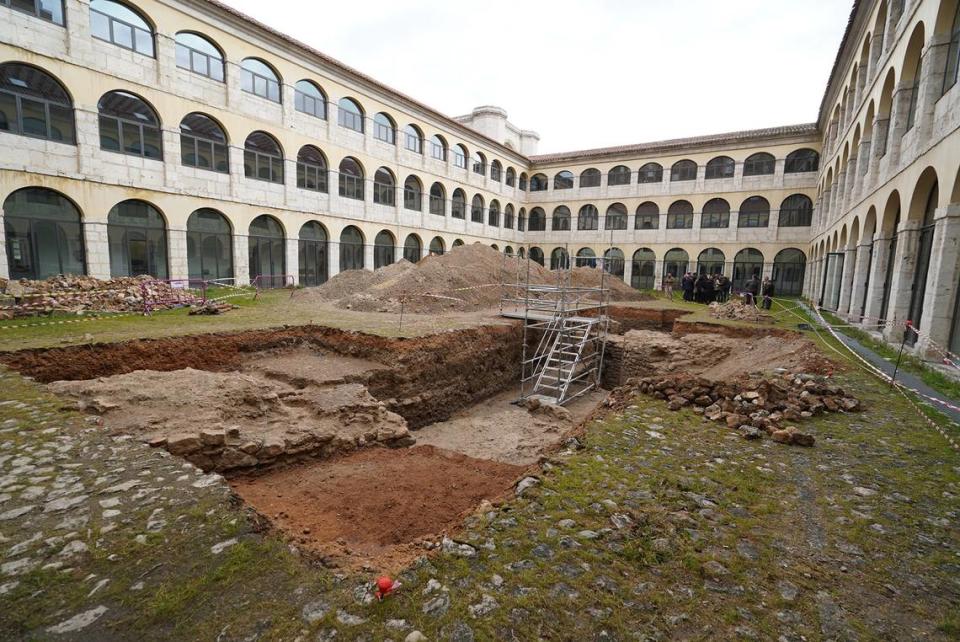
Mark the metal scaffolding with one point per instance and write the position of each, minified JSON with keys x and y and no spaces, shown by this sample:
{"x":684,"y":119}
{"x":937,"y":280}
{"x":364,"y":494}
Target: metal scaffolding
{"x":564,"y":330}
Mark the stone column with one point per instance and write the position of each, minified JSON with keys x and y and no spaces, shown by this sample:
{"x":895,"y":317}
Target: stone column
{"x":898,"y":122}
{"x":288,"y":101}
{"x":177,"y":254}
{"x":368,"y":254}
{"x":291,"y":248}
{"x":900,"y":291}
{"x":876,"y":47}
{"x":333,"y":259}
{"x":166,"y":60}
{"x":4,"y":264}
{"x":846,"y":280}
{"x":860,"y":274}
{"x":241,"y":259}
{"x":881,"y":133}
{"x":841,"y":191}
{"x":942,"y":278}
{"x":77,"y":14}
{"x":627,"y":268}
{"x":850,"y":196}
{"x":97,"y":249}
{"x":878,"y":274}
{"x":863,"y":164}
{"x":931,"y":84}
{"x":234,"y":92}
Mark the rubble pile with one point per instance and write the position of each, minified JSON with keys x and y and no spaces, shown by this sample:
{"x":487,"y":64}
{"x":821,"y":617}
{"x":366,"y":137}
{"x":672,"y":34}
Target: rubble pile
{"x":78,"y":294}
{"x":736,"y":310}
{"x":754,"y":406}
{"x":211,"y":308}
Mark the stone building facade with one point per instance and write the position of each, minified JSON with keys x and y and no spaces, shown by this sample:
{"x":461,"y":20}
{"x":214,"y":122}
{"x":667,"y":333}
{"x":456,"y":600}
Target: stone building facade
{"x":183,"y":139}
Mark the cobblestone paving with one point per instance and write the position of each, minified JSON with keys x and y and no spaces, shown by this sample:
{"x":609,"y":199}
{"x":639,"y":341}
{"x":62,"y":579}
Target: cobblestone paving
{"x":660,"y":527}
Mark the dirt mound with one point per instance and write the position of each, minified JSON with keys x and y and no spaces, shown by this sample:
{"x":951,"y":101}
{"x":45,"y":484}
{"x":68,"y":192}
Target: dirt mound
{"x":469,"y":277}
{"x":738,"y":311}
{"x":376,"y":504}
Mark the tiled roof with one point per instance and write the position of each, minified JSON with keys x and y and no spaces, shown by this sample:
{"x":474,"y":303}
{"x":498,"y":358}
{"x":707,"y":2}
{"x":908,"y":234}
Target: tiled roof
{"x":663,"y":146}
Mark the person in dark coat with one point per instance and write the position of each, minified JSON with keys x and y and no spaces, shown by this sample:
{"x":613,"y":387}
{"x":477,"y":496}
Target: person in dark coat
{"x":723,"y":288}
{"x":766,"y":290}
{"x":687,"y":285}
{"x":707,"y":290}
{"x":750,"y":290}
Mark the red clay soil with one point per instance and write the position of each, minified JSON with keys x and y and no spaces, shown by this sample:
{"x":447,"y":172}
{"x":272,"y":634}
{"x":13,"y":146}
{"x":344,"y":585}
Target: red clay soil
{"x":371,"y":507}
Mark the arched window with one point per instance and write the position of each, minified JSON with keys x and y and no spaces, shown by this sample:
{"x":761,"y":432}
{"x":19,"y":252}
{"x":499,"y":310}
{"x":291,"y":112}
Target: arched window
{"x":508,"y":250}
{"x":458,"y":204}
{"x":619,"y":175}
{"x":311,"y":169}
{"x":203,"y":144}
{"x":914,"y":98}
{"x":200,"y":55}
{"x":436,"y":246}
{"x":789,"y":266}
{"x":675,"y":262}
{"x":650,"y":173}
{"x":684,"y":170}
{"x":128,"y":125}
{"x":351,"y":179}
{"x":479,"y":162}
{"x":44,"y":234}
{"x":522,"y":183}
{"x":263,"y":158}
{"x":538,"y":183}
{"x":351,"y":249}
{"x":438,"y":200}
{"x":438,"y":148}
{"x":796,"y":211}
{"x":720,"y":167}
{"x":521,"y":254}
{"x":536,"y":255}
{"x":801,"y":160}
{"x":496,"y":170}
{"x":647,"y":217}
{"x":587,"y":217}
{"x":616,"y":217}
{"x":34,"y":103}
{"x":308,"y":98}
{"x":522,"y":220}
{"x":460,"y":156}
{"x":312,"y":254}
{"x":268,"y":260}
{"x":710,"y":261}
{"x":384,"y":187}
{"x":350,"y":115}
{"x":384,"y":129}
{"x":476,"y":209}
{"x":754,"y":212}
{"x":121,"y":25}
{"x":413,"y":139}
{"x":563,"y":180}
{"x":590,"y":177}
{"x":511,"y":177}
{"x":746,"y":264}
{"x":137,"y":234}
{"x":538,"y":220}
{"x":383,"y":249}
{"x":413,"y":194}
{"x":493,"y":213}
{"x":508,"y":217}
{"x":680,"y":216}
{"x":559,"y":259}
{"x":586,"y":257}
{"x":413,"y":248}
{"x":613,"y":261}
{"x":51,"y":10}
{"x":643,"y":274}
{"x":759,"y":164}
{"x":561,"y":218}
{"x":209,"y":246}
{"x":260,"y":79}
{"x":953,"y":53}
{"x":716,"y":214}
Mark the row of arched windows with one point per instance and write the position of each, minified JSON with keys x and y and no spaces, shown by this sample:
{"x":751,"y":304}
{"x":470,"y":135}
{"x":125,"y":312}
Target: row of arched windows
{"x":759,"y":164}
{"x":795,"y":211}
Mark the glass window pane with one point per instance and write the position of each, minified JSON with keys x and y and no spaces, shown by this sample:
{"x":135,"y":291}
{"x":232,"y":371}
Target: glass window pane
{"x":277,"y":169}
{"x":246,"y":80}
{"x":249,"y":164}
{"x":99,"y":25}
{"x":8,"y":112}
{"x":200,"y":64}
{"x":152,"y":146}
{"x":204,"y":154}
{"x":216,"y":70}
{"x":183,"y":57}
{"x":273,"y":92}
{"x":144,"y":42}
{"x":187,"y":151}
{"x":61,"y":123}
{"x":259,"y":86}
{"x":122,"y":34}
{"x":220,"y":161}
{"x":34,"y":118}
{"x":109,"y":134}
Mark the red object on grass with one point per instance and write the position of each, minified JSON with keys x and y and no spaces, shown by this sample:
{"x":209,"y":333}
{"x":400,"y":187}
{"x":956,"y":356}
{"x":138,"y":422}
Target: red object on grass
{"x":385,"y":587}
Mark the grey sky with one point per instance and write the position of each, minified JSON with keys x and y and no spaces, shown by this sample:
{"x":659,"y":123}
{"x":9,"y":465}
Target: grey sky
{"x":587,"y":74}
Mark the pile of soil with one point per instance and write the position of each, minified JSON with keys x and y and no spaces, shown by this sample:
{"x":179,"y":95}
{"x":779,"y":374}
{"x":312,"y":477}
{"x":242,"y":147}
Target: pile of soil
{"x":78,"y":294}
{"x":374,"y":506}
{"x":738,"y":311}
{"x":469,"y":277}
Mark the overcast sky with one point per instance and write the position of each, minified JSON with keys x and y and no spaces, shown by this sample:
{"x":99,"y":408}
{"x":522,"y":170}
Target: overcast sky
{"x":587,"y":74}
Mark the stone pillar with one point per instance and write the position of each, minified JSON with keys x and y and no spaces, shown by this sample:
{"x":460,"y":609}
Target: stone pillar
{"x":878,"y":274}
{"x":898,"y":122}
{"x":291,"y":247}
{"x":166,"y":60}
{"x":177,"y":254}
{"x":4,"y":265}
{"x":860,"y":274}
{"x":627,"y":268}
{"x":846,"y":280}
{"x":876,"y":48}
{"x":77,"y":14}
{"x":931,"y":84}
{"x":841,"y":191}
{"x":241,"y":259}
{"x":288,"y":101}
{"x":850,"y":196}
{"x":881,"y":133}
{"x":368,"y":254}
{"x":234,"y":92}
{"x":333,"y":259}
{"x":826,"y":203}
{"x":900,"y":291}
{"x":863,"y":164}
{"x":96,"y":249}
{"x":942,"y":279}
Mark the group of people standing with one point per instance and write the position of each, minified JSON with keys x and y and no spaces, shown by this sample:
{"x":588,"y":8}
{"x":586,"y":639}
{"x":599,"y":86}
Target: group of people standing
{"x":707,"y":288}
